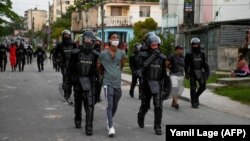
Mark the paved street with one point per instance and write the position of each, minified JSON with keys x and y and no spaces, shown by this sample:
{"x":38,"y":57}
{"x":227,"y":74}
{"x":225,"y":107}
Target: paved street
{"x":32,"y":108}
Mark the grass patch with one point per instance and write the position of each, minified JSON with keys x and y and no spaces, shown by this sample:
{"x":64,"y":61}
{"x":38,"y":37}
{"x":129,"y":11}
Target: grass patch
{"x":240,"y":94}
{"x":211,"y":79}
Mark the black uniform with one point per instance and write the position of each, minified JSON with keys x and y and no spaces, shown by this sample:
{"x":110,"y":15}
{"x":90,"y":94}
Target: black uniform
{"x":134,"y":66}
{"x":3,"y":57}
{"x":153,"y":72}
{"x":83,"y":71}
{"x":21,"y":52}
{"x":63,"y":54}
{"x":30,"y":53}
{"x":99,"y":77}
{"x":40,"y":54}
{"x":196,"y":70}
{"x":52,"y":56}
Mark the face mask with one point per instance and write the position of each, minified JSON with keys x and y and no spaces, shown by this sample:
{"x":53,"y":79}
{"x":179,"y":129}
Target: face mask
{"x":115,"y":43}
{"x":196,"y":50}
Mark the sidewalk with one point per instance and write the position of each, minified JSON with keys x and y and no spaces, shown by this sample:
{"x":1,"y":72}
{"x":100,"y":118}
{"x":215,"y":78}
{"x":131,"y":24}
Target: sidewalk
{"x":209,"y":99}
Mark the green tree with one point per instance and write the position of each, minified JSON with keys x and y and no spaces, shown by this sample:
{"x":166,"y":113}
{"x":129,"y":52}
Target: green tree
{"x":140,"y":30}
{"x":6,"y":11}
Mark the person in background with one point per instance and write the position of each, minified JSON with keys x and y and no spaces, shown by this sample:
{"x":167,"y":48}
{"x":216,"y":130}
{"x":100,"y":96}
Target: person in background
{"x":196,"y":70}
{"x":40,"y":54}
{"x":176,"y":65}
{"x":13,"y":60}
{"x":242,"y":69}
{"x":110,"y":63}
{"x":29,"y":54}
{"x":3,"y":57}
{"x":134,"y":66}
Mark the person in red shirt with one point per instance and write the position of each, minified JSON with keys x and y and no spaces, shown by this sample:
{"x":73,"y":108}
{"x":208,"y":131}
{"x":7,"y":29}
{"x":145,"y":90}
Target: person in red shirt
{"x":12,"y":51}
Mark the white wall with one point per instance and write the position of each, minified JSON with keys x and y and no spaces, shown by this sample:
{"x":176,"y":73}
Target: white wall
{"x":175,"y":7}
{"x":232,"y":9}
{"x":155,"y":13}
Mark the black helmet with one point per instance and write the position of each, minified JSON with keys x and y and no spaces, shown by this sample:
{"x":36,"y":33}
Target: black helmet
{"x":154,"y":39}
{"x":195,"y":41}
{"x":88,"y":39}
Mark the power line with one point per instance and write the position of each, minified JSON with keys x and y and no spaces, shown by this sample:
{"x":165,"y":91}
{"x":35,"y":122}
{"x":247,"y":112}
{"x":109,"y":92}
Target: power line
{"x":248,"y":4}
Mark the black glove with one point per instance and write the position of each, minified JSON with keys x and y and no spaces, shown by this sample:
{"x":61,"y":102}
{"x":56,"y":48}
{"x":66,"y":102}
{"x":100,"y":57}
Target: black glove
{"x":156,"y":52}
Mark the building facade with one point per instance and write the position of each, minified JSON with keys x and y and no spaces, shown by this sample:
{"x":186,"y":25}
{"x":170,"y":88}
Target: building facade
{"x":35,"y":19}
{"x":58,"y":8}
{"x":120,"y":16}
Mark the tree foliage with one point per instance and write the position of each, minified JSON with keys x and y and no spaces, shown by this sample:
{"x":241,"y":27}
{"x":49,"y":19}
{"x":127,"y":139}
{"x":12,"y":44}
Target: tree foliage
{"x":6,"y":12}
{"x":83,"y":5}
{"x":142,"y":28}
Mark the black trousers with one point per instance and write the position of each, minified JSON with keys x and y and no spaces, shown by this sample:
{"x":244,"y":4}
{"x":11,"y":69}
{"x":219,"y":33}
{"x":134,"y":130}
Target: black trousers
{"x":21,"y":63}
{"x":67,"y":83}
{"x":145,"y":104}
{"x":194,"y":92}
{"x":40,"y":64}
{"x":3,"y":62}
{"x":87,"y":99}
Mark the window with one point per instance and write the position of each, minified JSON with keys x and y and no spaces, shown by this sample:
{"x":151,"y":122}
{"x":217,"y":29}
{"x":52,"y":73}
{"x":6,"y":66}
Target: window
{"x":144,"y":11}
{"x":116,"y":11}
{"x":67,"y":2}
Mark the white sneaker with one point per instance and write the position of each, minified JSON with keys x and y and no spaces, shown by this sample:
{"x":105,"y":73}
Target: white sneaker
{"x":107,"y":125}
{"x":111,"y":131}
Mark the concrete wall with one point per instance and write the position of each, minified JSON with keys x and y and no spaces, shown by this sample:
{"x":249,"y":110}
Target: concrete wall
{"x":232,"y":9}
{"x":89,"y":18}
{"x":227,"y":58}
{"x":40,"y":17}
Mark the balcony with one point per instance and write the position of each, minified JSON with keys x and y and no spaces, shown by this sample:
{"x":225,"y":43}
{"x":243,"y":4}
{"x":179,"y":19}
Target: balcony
{"x":117,"y":21}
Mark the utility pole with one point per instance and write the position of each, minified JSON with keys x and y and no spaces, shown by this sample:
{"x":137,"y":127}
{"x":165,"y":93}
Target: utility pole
{"x":102,"y":21}
{"x":61,"y":8}
{"x":31,"y":25}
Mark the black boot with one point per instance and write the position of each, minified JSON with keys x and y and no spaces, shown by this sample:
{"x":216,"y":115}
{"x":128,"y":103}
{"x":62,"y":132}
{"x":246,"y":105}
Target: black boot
{"x":157,"y":128}
{"x":89,"y":121}
{"x":140,"y":120}
{"x":78,"y":124}
{"x":131,"y":93}
{"x":89,"y":129}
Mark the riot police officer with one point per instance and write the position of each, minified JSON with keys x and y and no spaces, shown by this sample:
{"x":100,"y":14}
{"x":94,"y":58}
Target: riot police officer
{"x":64,"y":49}
{"x":52,"y":56}
{"x":154,"y":70}
{"x":3,"y":57}
{"x":196,"y":70}
{"x":134,"y":66}
{"x":40,"y":54}
{"x":21,"y":52}
{"x":83,"y":71}
{"x":30,"y":53}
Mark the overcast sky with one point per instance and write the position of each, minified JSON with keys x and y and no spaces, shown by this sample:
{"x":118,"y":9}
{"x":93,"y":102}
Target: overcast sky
{"x":19,"y":6}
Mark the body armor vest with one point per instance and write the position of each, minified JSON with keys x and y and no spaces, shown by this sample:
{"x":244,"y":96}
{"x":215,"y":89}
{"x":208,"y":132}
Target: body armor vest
{"x":66,"y":54}
{"x":197,"y":61}
{"x":3,"y":53}
{"x":85,"y":64}
{"x":20,"y":53}
{"x":154,"y":71}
